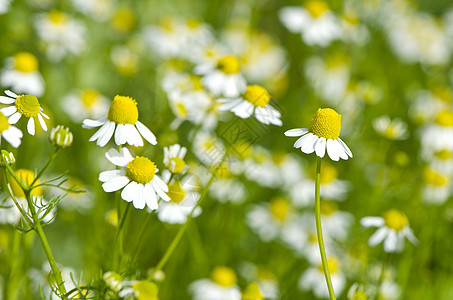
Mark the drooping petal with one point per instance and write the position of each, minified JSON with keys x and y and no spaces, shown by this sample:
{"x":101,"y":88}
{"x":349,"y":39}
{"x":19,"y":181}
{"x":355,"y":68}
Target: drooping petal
{"x":139,"y":200}
{"x":320,"y":147}
{"x":115,"y":184}
{"x":31,"y":126}
{"x":133,"y":137}
{"x":391,"y":242}
{"x":8,"y":111}
{"x":14,"y":118}
{"x":105,"y":138}
{"x":332,"y":150}
{"x":121,"y":158}
{"x":41,"y":121}
{"x":109,"y":175}
{"x":296,"y":132}
{"x":120,"y":134}
{"x":346,"y":148}
{"x":129,"y":193}
{"x":157,"y":180}
{"x":308,"y":145}
{"x":88,"y":123}
{"x":159,"y":192}
{"x":378,"y":236}
{"x":146,"y":133}
{"x":372,"y":221}
{"x":150,"y":197}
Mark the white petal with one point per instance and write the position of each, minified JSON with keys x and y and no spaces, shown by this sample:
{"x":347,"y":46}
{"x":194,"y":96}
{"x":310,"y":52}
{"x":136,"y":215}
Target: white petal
{"x":372,"y":221}
{"x":159,"y":192}
{"x":87,"y":123}
{"x":346,"y":148}
{"x":14,"y":118}
{"x":139,"y":200}
{"x":115,"y":184}
{"x":332,"y":150}
{"x":109,"y":175}
{"x":410,"y":235}
{"x":130,"y":192}
{"x":11,"y":94}
{"x":7,"y":100}
{"x":320,"y":147}
{"x":8,"y":111}
{"x":133,"y":138}
{"x":107,"y":135}
{"x":119,"y":158}
{"x":157,"y":180}
{"x":378,"y":236}
{"x":340,"y":149}
{"x":308,"y":144}
{"x":391,"y":242}
{"x":146,"y":133}
{"x":100,"y":132}
{"x":11,"y":137}
{"x":41,"y":121}
{"x":150,"y":197}
{"x":31,"y":126}
{"x":120,"y":134}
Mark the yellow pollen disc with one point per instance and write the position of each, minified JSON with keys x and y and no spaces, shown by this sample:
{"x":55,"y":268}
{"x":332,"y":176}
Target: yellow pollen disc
{"x":394,"y":219}
{"x":123,"y":110}
{"x":313,"y":238}
{"x":328,"y":208}
{"x":196,"y":83}
{"x":4,"y":124}
{"x":444,"y":154}
{"x":89,"y":97}
{"x":229,"y":65}
{"x":181,"y":110}
{"x":316,"y":8}
{"x":332,"y":263}
{"x":224,"y":276}
{"x":145,"y":290}
{"x":25,"y":62}
{"x":434,"y":178}
{"x":444,"y":118}
{"x":176,"y":192}
{"x":27,"y":176}
{"x":223,"y":172}
{"x":141,"y":170}
{"x":326,"y":123}
{"x":257,"y":95}
{"x":280,"y":208}
{"x":58,"y":17}
{"x":27,"y":105}
{"x":124,"y":20}
{"x":112,"y":217}
{"x":252,"y":292}
{"x":176,"y":165}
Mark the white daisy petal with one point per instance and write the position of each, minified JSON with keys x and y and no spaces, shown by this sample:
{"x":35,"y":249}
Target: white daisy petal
{"x":41,"y":121}
{"x":7,"y":100}
{"x":119,"y":158}
{"x":100,"y":132}
{"x":378,"y":236}
{"x":105,"y":138}
{"x":150,"y":197}
{"x":11,"y":137}
{"x":14,"y":118}
{"x":308,"y":144}
{"x":8,"y":111}
{"x":332,"y":150}
{"x":157,"y":180}
{"x":146,"y":133}
{"x":346,"y":148}
{"x":320,"y":147}
{"x":340,"y":149}
{"x":159,"y":192}
{"x":87,"y":123}
{"x":372,"y":221}
{"x":120,"y":134}
{"x":391,"y":242}
{"x":410,"y":235}
{"x":302,"y":139}
{"x":129,"y":193}
{"x":139,"y":201}
{"x":11,"y":94}
{"x":109,"y":175}
{"x":115,"y":184}
{"x":133,"y":137}
{"x":31,"y":126}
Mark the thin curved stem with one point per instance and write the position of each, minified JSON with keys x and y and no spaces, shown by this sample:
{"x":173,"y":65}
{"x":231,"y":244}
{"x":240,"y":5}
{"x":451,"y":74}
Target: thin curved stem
{"x":52,"y":157}
{"x":322,"y":250}
{"x":118,"y":244}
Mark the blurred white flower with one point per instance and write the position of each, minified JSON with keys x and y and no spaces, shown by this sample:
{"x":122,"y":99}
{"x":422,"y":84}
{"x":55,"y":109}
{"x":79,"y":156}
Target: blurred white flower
{"x":436,"y":188}
{"x":82,"y":104}
{"x":9,"y":132}
{"x":392,"y":129}
{"x":221,"y":286}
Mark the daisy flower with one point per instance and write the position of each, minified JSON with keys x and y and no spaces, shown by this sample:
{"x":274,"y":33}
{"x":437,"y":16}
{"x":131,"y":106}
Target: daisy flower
{"x":142,"y":289}
{"x":314,"y":21}
{"x":21,"y":74}
{"x":437,"y":136}
{"x":436,"y":188}
{"x":137,"y":177}
{"x":393,"y":230}
{"x":87,"y":103}
{"x":24,"y":105}
{"x":392,"y":129}
{"x":223,"y":78}
{"x":255,"y":100}
{"x":174,"y":158}
{"x":9,"y":132}
{"x":122,"y":120}
{"x":221,"y":286}
{"x":323,"y":133}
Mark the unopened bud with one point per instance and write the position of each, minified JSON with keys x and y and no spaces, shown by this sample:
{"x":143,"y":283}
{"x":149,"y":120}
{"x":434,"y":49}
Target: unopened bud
{"x":8,"y":156}
{"x":60,"y":136}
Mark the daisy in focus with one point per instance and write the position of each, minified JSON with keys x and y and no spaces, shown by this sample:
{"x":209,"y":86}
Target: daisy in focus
{"x":122,"y":120}
{"x":137,"y":177}
{"x":223,"y":78}
{"x":322,"y":134}
{"x":24,"y":105}
{"x":9,"y":132}
{"x":393,"y":230}
{"x":221,"y":286}
{"x":255,"y":100}
{"x":21,"y":74}
{"x":314,"y":21}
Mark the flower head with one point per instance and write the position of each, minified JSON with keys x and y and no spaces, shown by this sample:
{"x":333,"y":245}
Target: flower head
{"x":60,"y":136}
{"x":322,"y":134}
{"x":9,"y":132}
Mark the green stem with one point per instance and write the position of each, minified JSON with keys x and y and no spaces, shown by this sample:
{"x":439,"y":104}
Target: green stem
{"x":19,"y":207}
{"x":52,"y":157}
{"x":118,"y":241}
{"x":181,"y":231}
{"x":322,"y":250}
{"x":142,"y":233}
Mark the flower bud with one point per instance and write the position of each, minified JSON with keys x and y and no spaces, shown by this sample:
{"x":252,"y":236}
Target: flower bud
{"x":8,"y":156}
{"x":60,"y":136}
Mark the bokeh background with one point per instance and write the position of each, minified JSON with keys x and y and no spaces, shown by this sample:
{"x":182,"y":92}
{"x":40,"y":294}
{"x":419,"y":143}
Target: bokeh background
{"x":385,"y":66}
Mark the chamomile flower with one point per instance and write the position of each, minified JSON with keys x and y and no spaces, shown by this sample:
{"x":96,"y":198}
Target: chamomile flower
{"x":137,"y":177}
{"x":393,"y":230}
{"x":322,"y":134}
{"x":437,"y":136}
{"x":221,"y":286}
{"x":223,"y":78}
{"x":122,"y":120}
{"x":174,"y":158}
{"x":392,"y":129}
{"x":87,"y":103}
{"x":24,"y":105}
{"x":140,"y":290}
{"x":436,"y":188}
{"x":314,"y":21}
{"x":9,"y":132}
{"x":21,"y":74}
{"x":255,"y":100}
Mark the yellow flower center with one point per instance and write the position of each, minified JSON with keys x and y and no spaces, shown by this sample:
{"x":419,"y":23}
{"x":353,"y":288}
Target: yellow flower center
{"x":313,"y":238}
{"x":111,"y":217}
{"x":89,"y":97}
{"x":396,"y":220}
{"x":224,"y":276}
{"x":123,"y":110}
{"x":124,"y":20}
{"x":280,"y":208}
{"x":141,"y":170}
{"x":316,"y":8}
{"x":58,"y":17}
{"x":176,"y":192}
{"x":444,"y":118}
{"x":25,"y":62}
{"x":257,"y":95}
{"x":332,"y":263}
{"x":4,"y":124}
{"x":145,"y":290}
{"x":351,"y":17}
{"x":328,"y":208}
{"x":326,"y":123}
{"x":27,"y":177}
{"x":444,"y":154}
{"x":229,"y":65}
{"x":223,"y":172}
{"x":196,"y":82}
{"x":278,"y":157}
{"x":252,"y":292}
{"x":193,"y":23}
{"x":434,"y":178}
{"x":176,"y":165}
{"x":181,"y":110}
{"x":27,"y":105}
